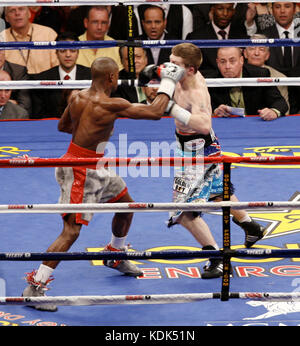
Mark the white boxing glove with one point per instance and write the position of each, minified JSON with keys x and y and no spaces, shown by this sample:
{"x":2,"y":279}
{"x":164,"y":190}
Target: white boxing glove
{"x":169,"y":74}
{"x":178,"y":112}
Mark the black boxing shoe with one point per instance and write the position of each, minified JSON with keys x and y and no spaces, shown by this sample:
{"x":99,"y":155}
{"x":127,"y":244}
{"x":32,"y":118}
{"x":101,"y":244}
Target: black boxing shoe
{"x":253,"y":231}
{"x":213,"y":267}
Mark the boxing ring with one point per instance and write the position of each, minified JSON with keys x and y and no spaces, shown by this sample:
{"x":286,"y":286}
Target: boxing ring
{"x":183,"y":267}
{"x":43,"y":146}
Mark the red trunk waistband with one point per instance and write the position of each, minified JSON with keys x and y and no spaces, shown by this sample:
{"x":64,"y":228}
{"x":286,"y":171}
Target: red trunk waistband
{"x":78,"y":151}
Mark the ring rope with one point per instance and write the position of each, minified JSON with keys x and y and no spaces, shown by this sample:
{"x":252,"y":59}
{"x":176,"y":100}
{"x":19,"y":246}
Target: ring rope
{"x":114,"y":2}
{"x":272,"y":42}
{"x":148,"y":255}
{"x":146,"y":299}
{"x":210,"y":82}
{"x":142,"y":207}
{"x":21,"y":162}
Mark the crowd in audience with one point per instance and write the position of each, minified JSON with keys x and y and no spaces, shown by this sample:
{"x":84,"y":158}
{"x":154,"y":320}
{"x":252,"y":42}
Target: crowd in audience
{"x":151,"y":22}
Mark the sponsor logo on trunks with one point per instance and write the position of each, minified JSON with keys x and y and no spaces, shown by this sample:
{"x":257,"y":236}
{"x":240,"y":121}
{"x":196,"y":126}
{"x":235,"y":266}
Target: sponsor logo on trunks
{"x":180,"y":186}
{"x":267,"y":151}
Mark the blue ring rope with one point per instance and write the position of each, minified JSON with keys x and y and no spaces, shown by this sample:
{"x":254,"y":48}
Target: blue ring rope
{"x":131,"y":255}
{"x":276,"y":42}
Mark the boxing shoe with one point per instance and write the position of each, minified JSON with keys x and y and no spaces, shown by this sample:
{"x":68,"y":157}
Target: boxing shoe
{"x":37,"y":289}
{"x":124,"y":266}
{"x":213,"y":267}
{"x":253,"y":231}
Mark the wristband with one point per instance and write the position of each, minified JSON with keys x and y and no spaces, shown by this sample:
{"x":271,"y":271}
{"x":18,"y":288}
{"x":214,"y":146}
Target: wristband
{"x":180,"y":114}
{"x":167,"y":86}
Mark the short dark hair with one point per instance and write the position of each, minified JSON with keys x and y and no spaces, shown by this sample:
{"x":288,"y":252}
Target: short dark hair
{"x":279,"y":1}
{"x":146,"y":7}
{"x":67,"y":36}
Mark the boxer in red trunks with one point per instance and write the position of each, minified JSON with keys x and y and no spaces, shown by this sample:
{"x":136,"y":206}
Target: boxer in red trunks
{"x":90,"y":117}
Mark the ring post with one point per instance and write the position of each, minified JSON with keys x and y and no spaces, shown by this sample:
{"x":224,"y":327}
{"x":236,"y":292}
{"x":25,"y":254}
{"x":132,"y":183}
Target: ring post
{"x":130,"y":52}
{"x":226,"y":233}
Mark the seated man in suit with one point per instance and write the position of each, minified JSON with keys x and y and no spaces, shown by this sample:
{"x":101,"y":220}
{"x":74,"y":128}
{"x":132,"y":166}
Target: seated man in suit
{"x":154,"y":23}
{"x":222,"y":26}
{"x":8,"y":109}
{"x":179,"y":21}
{"x":133,"y":94}
{"x":49,"y":102}
{"x":283,"y":59}
{"x":20,"y":97}
{"x":140,"y":61}
{"x":266,"y":102}
{"x":258,"y":56}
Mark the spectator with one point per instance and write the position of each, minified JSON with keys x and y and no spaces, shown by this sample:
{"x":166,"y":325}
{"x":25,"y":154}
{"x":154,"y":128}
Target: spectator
{"x":150,"y":93}
{"x":264,"y":17}
{"x":140,"y":61}
{"x":258,"y":55}
{"x":154,"y":24}
{"x":220,"y":27}
{"x":283,"y":59}
{"x":8,"y":109}
{"x":17,"y":72}
{"x":133,"y":94}
{"x":49,"y":103}
{"x":179,"y":21}
{"x":202,"y":14}
{"x":267,"y":102}
{"x":96,"y":24}
{"x":36,"y":60}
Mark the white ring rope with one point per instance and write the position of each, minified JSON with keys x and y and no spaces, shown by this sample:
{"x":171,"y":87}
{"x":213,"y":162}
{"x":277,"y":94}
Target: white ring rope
{"x":142,"y":207}
{"x":114,"y":2}
{"x":146,"y":299}
{"x":211,"y":82}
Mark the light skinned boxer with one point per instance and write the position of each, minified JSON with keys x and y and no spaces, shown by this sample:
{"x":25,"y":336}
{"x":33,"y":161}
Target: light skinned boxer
{"x":191,"y":108}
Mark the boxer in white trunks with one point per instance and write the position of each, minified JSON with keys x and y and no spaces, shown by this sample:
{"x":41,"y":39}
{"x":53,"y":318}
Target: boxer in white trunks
{"x":90,"y":117}
{"x":192,"y":111}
